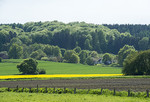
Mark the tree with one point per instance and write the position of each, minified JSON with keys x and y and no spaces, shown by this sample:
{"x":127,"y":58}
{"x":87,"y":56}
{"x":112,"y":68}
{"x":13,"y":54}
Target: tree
{"x":90,"y":61}
{"x":48,"y":50}
{"x":77,"y":49}
{"x":124,"y":52}
{"x":34,"y":54}
{"x":38,"y":54}
{"x":83,"y":55}
{"x":71,"y":57}
{"x":94,"y":54}
{"x":57,"y":51}
{"x":137,"y":64}
{"x":28,"y":66}
{"x":107,"y":58}
{"x":87,"y":45}
{"x":68,"y":54}
{"x":15,"y":51}
{"x":74,"y":58}
{"x":16,"y":41}
{"x":143,"y":43}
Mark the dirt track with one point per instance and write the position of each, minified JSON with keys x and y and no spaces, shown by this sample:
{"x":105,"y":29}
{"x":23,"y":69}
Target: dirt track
{"x":136,"y":84}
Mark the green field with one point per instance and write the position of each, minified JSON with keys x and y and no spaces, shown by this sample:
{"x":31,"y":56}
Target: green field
{"x":41,"y":97}
{"x":8,"y":67}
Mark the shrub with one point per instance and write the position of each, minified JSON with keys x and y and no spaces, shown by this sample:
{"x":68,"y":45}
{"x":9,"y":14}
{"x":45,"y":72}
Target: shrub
{"x":45,"y":58}
{"x":42,"y":71}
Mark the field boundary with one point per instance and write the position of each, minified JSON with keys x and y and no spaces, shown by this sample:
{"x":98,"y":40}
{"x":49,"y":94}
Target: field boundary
{"x":65,"y":90}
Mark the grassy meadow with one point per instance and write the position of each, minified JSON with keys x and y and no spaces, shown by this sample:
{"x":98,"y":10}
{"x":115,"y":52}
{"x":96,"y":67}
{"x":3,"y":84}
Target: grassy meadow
{"x":41,"y":97}
{"x":8,"y":67}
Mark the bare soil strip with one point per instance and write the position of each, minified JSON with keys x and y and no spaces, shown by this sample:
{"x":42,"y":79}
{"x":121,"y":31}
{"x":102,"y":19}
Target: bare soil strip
{"x":135,"y":84}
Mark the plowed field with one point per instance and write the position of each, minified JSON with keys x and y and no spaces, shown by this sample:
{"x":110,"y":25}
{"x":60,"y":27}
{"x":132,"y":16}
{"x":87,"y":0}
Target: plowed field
{"x":135,"y":84}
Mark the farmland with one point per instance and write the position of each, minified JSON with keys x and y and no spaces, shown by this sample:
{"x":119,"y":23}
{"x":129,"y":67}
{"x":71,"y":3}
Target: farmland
{"x":34,"y":97}
{"x":8,"y":67}
{"x":120,"y":84}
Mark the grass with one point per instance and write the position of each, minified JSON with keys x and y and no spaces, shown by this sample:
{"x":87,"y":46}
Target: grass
{"x":8,"y":67}
{"x":41,"y":97}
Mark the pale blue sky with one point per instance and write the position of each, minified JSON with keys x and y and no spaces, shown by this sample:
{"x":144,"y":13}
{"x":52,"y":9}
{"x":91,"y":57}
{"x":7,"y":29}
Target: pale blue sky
{"x":90,"y":11}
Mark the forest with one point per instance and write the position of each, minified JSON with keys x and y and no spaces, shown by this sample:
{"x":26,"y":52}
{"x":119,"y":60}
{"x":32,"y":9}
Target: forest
{"x":71,"y":42}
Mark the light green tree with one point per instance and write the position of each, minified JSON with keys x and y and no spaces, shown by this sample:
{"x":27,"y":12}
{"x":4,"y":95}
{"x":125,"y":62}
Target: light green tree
{"x":124,"y":52}
{"x":71,"y":57}
{"x":107,"y":58}
{"x":15,"y":51}
{"x":83,"y":55}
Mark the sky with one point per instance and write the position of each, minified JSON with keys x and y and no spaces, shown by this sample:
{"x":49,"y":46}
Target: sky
{"x":89,"y":11}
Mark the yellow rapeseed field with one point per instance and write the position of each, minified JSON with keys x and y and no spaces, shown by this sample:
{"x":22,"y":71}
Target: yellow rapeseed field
{"x":58,"y":76}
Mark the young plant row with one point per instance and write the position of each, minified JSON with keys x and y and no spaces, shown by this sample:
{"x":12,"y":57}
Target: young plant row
{"x":107,"y":92}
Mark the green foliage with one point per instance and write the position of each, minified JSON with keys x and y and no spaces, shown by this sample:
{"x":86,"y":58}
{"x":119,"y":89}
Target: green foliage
{"x":94,"y":54}
{"x":28,"y":66}
{"x":15,"y":51}
{"x":77,"y":49}
{"x":45,"y":58}
{"x":124,"y":52}
{"x":38,"y":54}
{"x":71,"y":57}
{"x":68,"y":91}
{"x":52,"y":51}
{"x":74,"y":58}
{"x":83,"y":55}
{"x":0,"y":59}
{"x":107,"y":58}
{"x":143,"y":43}
{"x":137,"y":64}
{"x":32,"y":97}
{"x":90,"y":60}
{"x":86,"y":36}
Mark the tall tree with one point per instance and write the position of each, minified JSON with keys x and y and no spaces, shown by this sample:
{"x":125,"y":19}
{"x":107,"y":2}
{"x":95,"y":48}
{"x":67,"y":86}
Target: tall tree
{"x":124,"y":52}
{"x":15,"y":51}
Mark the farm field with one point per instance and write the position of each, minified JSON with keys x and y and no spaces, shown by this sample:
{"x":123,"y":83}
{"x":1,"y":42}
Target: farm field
{"x":8,"y":67}
{"x":34,"y":97}
{"x":120,"y":84}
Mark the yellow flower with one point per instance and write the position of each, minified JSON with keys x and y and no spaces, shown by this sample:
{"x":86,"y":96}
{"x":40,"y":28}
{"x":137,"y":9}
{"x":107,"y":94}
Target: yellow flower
{"x":57,"y":76}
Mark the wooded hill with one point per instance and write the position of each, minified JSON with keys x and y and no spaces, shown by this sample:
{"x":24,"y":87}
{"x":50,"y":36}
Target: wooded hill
{"x":91,"y":37}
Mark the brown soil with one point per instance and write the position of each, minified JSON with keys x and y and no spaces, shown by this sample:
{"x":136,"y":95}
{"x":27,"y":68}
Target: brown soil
{"x":135,"y":84}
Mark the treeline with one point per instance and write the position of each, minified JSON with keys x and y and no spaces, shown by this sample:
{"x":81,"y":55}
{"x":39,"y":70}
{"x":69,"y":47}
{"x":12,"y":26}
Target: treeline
{"x":136,"y":30}
{"x":87,"y":36}
{"x":53,"y":39}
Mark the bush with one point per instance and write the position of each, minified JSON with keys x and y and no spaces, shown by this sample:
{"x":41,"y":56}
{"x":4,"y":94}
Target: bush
{"x":42,"y":71}
{"x":45,"y":58}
